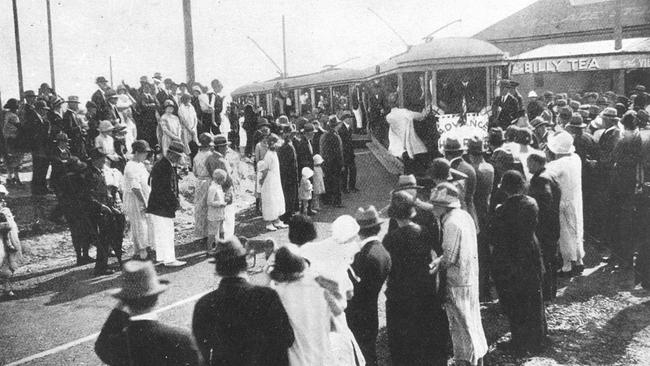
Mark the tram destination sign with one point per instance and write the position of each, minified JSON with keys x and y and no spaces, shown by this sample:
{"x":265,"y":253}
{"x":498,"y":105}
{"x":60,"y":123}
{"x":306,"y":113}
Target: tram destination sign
{"x":573,"y":64}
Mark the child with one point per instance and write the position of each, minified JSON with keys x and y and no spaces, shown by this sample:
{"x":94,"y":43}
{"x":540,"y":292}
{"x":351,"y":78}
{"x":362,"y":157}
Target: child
{"x":305,"y":189}
{"x":10,"y":248}
{"x":216,"y":208}
{"x":319,"y":184}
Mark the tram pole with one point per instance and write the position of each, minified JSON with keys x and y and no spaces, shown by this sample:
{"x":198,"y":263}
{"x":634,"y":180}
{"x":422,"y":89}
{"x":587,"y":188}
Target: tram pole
{"x":284,"y":49}
{"x":189,"y":41}
{"x":49,"y":38}
{"x":19,"y":61}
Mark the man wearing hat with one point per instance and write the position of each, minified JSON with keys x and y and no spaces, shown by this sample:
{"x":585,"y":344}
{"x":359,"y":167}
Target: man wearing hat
{"x":38,"y":128}
{"x":132,"y":335}
{"x":506,"y":105}
{"x":540,"y":132}
{"x":459,"y":258}
{"x":240,"y":323}
{"x":165,"y":94}
{"x":564,"y":115}
{"x":112,"y":113}
{"x":642,"y":99}
{"x":289,"y":174}
{"x":454,"y":153}
{"x":535,"y":107}
{"x":331,"y":149}
{"x":99,"y":97}
{"x":73,"y":127}
{"x":218,"y":161}
{"x":55,"y":117}
{"x":305,"y":151}
{"x":371,"y":266}
{"x":163,"y":203}
{"x":349,"y":166}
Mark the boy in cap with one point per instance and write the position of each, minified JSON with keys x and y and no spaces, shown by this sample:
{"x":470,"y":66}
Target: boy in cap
{"x":132,"y":335}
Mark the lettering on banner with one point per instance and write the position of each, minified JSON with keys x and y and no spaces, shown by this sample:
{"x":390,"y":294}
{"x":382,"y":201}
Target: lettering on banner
{"x":561,"y":65}
{"x":449,"y":122}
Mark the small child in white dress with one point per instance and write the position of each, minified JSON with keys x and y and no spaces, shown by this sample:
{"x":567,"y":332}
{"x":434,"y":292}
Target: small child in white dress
{"x":305,"y":190}
{"x":216,"y":207}
{"x":319,"y":184}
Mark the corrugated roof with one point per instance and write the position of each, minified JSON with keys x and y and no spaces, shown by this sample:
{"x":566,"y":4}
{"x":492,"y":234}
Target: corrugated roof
{"x":545,"y":18}
{"x":630,"y":45}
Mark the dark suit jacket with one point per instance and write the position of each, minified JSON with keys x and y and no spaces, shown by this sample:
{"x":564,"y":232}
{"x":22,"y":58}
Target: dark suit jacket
{"x":331,"y":149}
{"x":304,"y":155}
{"x":240,"y":324}
{"x":102,"y":104}
{"x":509,"y":108}
{"x":289,"y":176}
{"x":73,"y":128}
{"x":346,"y":139}
{"x":372,"y":265}
{"x":162,"y":96}
{"x":38,"y":129}
{"x":56,"y":125}
{"x":163,"y":200}
{"x":546,"y":191}
{"x":144,"y":342}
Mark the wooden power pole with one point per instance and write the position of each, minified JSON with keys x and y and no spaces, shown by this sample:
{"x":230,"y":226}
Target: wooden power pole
{"x":19,"y":61}
{"x":189,"y":41}
{"x":49,"y":38}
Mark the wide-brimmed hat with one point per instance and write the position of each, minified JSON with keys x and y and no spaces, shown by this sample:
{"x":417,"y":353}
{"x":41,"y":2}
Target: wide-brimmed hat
{"x":139,"y":279}
{"x":105,"y":126}
{"x":228,"y":249}
{"x":157,"y":76}
{"x":96,"y":153}
{"x":318,"y":159}
{"x":101,"y":79}
{"x":140,"y":146}
{"x":561,"y":143}
{"x":609,"y":113}
{"x":29,"y":94}
{"x":110,"y":93}
{"x":401,"y":206}
{"x":405,"y":182}
{"x":261,"y":122}
{"x":576,"y":121}
{"x":306,"y":172}
{"x":176,"y":147}
{"x":368,"y":217}
{"x":220,"y":140}
{"x":445,"y":195}
{"x":73,"y":99}
{"x":11,"y":104}
{"x":206,"y":139}
{"x":475,"y":145}
{"x":452,"y":144}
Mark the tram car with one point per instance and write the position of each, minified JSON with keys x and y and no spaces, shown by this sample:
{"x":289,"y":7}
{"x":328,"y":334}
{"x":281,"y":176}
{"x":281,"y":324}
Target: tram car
{"x":454,"y":79}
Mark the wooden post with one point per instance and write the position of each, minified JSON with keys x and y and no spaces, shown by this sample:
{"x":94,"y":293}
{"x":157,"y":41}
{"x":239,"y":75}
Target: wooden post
{"x":433,"y":84}
{"x":19,"y":61}
{"x":400,"y":88}
{"x":50,"y":43}
{"x":189,"y":42}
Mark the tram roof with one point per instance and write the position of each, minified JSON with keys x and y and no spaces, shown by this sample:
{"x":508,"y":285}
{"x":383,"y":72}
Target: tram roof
{"x":453,"y":52}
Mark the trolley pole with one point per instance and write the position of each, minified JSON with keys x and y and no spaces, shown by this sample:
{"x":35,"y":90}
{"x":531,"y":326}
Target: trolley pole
{"x":19,"y":61}
{"x":110,"y":69}
{"x":189,"y":41}
{"x":49,"y":37}
{"x":284,"y":49}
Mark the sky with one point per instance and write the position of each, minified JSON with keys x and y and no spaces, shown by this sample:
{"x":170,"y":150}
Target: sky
{"x":146,"y":36}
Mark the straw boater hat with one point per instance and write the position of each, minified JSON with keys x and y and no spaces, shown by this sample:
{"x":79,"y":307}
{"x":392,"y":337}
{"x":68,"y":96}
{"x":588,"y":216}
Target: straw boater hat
{"x":445,"y":195}
{"x":73,"y":99}
{"x":105,"y":126}
{"x":405,"y":182}
{"x":220,"y":140}
{"x":168,"y":103}
{"x":139,"y":280}
{"x":368,"y":217}
{"x":206,"y":139}
{"x":561,"y":143}
{"x":532,"y":94}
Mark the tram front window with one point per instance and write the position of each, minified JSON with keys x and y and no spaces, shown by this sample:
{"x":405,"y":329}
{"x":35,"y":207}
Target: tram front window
{"x":461,"y":90}
{"x":414,"y":95}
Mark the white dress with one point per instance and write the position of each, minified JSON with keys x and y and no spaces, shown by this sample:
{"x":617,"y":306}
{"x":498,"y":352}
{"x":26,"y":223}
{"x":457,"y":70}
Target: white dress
{"x":568,"y":173}
{"x":170,"y":128}
{"x":189,"y":121}
{"x":137,"y":176}
{"x":271,"y":190}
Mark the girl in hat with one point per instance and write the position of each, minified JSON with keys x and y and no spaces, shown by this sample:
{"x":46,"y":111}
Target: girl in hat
{"x":13,"y":146}
{"x":271,"y":187}
{"x":319,"y":183}
{"x":305,"y":189}
{"x":189,"y":122}
{"x":216,"y":207}
{"x":169,"y":128}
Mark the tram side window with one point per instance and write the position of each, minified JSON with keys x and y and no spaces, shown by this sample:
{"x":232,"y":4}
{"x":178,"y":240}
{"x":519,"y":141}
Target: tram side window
{"x":306,"y":104}
{"x":461,"y":90}
{"x":323,"y":100}
{"x":414,"y":91}
{"x":264,"y":104}
{"x":341,"y":97}
{"x":283,"y":103}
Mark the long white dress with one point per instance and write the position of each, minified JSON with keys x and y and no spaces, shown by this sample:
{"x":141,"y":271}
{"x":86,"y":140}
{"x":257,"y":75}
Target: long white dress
{"x":137,"y":176}
{"x":170,"y":130}
{"x":271,"y":190}
{"x":203,"y":181}
{"x":189,"y":121}
{"x":568,"y":173}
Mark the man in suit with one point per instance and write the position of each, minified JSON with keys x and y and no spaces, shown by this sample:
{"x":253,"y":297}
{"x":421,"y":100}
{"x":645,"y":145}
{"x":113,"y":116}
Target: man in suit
{"x":454,"y":153}
{"x":38,"y":128}
{"x":240,"y":323}
{"x":165,"y":94}
{"x":371,"y":266}
{"x":349,"y":166}
{"x":216,"y":103}
{"x":506,"y":106}
{"x":305,"y":151}
{"x":546,"y":191}
{"x":112,"y":113}
{"x":289,"y":177}
{"x":331,"y":149}
{"x":99,"y":98}
{"x":73,"y":127}
{"x":133,"y":336}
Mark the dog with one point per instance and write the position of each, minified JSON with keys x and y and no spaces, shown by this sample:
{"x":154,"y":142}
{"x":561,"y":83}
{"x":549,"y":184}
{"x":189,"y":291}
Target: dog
{"x":255,"y":246}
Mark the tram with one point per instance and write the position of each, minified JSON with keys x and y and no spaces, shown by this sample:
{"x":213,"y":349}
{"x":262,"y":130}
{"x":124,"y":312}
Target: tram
{"x":455,"y":78}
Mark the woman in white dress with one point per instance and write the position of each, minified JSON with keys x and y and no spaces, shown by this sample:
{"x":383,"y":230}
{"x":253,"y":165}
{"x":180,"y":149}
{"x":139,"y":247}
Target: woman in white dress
{"x":189,"y":121}
{"x":131,"y":129}
{"x":203,"y":180}
{"x":170,"y":127}
{"x":271,"y":188}
{"x":566,"y":167}
{"x":136,"y":195}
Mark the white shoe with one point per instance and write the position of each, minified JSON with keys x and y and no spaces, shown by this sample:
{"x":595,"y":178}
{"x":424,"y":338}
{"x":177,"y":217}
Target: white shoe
{"x":270,"y":227}
{"x":175,"y":263}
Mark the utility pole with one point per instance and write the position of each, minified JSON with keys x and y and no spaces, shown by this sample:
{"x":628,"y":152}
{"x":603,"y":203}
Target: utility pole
{"x":189,"y":41}
{"x":19,"y":61}
{"x":618,"y":25}
{"x":110,"y":67}
{"x":49,"y":37}
{"x":284,"y":49}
